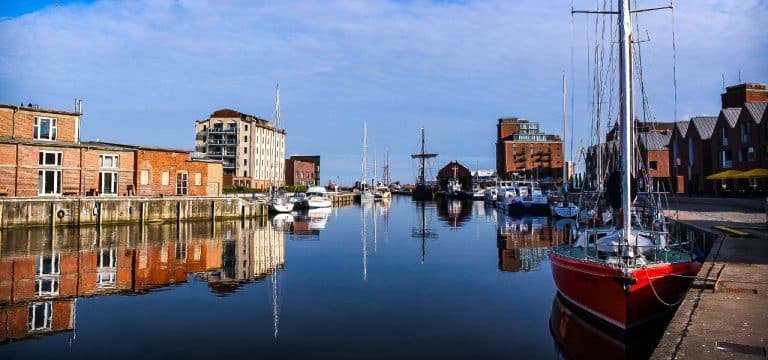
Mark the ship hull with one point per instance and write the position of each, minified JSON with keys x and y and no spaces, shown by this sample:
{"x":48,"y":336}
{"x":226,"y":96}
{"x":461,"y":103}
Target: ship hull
{"x":599,"y":289}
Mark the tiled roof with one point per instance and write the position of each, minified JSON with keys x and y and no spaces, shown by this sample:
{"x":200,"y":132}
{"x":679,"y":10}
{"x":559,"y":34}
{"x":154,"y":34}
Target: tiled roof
{"x":655,"y":141}
{"x":682,"y":127}
{"x":756,"y":110}
{"x":731,"y":115}
{"x":704,"y":125}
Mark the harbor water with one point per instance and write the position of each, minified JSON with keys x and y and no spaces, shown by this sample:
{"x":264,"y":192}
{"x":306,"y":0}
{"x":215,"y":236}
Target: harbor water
{"x":393,"y":279}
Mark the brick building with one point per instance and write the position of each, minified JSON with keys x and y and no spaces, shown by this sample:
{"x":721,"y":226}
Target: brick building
{"x":654,"y":148}
{"x":41,"y":155}
{"x":522,"y":150}
{"x":314,"y":159}
{"x":735,"y":139}
{"x":455,"y":170}
{"x":299,"y":172}
{"x":252,"y":150}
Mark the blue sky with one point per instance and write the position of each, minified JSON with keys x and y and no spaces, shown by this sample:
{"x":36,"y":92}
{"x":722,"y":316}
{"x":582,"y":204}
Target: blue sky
{"x":148,"y":69}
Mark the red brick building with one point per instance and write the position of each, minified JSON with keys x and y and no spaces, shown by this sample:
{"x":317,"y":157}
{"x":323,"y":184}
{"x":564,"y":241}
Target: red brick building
{"x":299,"y":172}
{"x":454,"y":169}
{"x":736,"y":139}
{"x":41,"y":155}
{"x":524,"y":151}
{"x":655,"y":152}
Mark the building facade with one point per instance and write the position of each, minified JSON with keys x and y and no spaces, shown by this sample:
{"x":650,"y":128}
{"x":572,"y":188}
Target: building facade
{"x":524,"y":151}
{"x":252,"y":149}
{"x":454,"y":170}
{"x":41,"y":155}
{"x":314,"y":159}
{"x":299,"y":172}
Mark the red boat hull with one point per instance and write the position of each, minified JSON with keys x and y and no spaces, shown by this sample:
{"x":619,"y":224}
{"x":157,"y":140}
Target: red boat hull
{"x":599,"y":288}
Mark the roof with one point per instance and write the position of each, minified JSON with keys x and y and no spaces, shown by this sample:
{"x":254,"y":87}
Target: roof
{"x":756,"y":110}
{"x":654,"y":141}
{"x":682,"y":127}
{"x":133,"y":147}
{"x":229,"y":113}
{"x":704,"y":125}
{"x":484,"y":173}
{"x":64,"y":144}
{"x":35,"y":108}
{"x":731,"y":115}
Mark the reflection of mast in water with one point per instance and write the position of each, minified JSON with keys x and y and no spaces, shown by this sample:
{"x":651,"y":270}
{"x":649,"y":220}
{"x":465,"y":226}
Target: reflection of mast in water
{"x":423,"y":232}
{"x":375,"y":227}
{"x":363,"y":237}
{"x":273,"y":278}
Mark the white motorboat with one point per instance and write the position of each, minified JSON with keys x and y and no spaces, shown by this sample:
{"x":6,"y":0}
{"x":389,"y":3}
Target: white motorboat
{"x":280,"y":203}
{"x":317,"y":197}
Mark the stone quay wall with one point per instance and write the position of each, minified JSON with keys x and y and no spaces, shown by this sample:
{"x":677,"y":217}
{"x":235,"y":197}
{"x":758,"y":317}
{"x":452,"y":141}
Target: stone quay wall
{"x":75,"y":211}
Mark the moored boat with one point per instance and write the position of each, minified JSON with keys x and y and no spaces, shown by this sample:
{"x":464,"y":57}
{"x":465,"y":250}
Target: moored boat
{"x":632,"y":273}
{"x":317,"y":197}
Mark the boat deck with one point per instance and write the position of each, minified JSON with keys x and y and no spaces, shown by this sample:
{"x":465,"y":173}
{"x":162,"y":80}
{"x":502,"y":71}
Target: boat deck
{"x":649,"y":257}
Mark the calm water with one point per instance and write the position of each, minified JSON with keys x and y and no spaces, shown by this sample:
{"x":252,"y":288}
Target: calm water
{"x":389,"y":280}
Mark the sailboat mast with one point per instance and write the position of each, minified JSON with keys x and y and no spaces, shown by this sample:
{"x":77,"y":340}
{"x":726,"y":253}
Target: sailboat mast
{"x":565,"y":186}
{"x":421,"y":168}
{"x":365,"y":146}
{"x":625,"y":84}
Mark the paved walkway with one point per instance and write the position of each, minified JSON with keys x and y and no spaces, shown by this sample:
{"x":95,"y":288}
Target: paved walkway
{"x":725,"y":313}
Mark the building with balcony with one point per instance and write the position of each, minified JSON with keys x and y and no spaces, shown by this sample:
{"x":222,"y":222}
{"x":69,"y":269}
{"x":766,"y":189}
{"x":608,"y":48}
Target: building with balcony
{"x":524,"y":151}
{"x":251,"y":149}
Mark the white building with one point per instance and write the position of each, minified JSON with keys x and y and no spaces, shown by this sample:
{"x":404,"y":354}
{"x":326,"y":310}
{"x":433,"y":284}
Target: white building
{"x":252,"y":150}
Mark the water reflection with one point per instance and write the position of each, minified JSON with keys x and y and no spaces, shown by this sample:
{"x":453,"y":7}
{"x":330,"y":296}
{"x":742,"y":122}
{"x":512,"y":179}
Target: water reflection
{"x":422,"y":231}
{"x":43,"y":273}
{"x":578,"y":335}
{"x":454,"y":212}
{"x":523,"y":243}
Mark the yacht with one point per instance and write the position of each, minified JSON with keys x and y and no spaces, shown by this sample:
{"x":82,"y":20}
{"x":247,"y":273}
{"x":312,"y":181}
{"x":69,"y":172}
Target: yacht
{"x":317,"y":197}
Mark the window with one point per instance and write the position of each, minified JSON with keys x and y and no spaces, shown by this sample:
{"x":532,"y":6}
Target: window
{"x":181,"y":183}
{"x":108,"y":179}
{"x":48,"y":286}
{"x":44,"y":128}
{"x":39,"y":316}
{"x":246,"y":138}
{"x":47,"y":265}
{"x":49,"y":174}
{"x":675,"y":157}
{"x":744,"y":132}
{"x":750,"y":153}
{"x":106,"y":272}
{"x":691,"y":157}
{"x":725,"y":159}
{"x":246,"y":127}
{"x":653,"y":165}
{"x":164,"y":180}
{"x":245,"y":162}
{"x":144,"y":177}
{"x":198,"y":179}
{"x":181,"y":251}
{"x":245,"y":150}
{"x":724,"y":136}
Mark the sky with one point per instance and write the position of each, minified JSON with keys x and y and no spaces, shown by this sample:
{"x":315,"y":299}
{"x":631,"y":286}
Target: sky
{"x":147,"y":69}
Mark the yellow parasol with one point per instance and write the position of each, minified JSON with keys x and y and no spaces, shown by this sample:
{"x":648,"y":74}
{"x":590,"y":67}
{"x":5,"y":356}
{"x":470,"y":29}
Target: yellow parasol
{"x":754,"y":173}
{"x":727,"y":174}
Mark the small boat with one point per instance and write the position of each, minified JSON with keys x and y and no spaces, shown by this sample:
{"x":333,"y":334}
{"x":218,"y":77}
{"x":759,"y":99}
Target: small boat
{"x":317,"y":197}
{"x":381,"y":192}
{"x":280,"y":203}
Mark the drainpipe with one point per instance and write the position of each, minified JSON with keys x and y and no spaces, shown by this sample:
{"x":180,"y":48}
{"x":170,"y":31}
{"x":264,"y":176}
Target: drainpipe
{"x":16,"y":178}
{"x":13,"y":122}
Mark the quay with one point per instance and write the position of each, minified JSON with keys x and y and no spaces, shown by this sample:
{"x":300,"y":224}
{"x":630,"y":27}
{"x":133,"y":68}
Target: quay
{"x":343,"y":199}
{"x":723,"y":315}
{"x":76,"y":211}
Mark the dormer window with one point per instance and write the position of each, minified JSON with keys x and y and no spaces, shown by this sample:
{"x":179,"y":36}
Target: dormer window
{"x":45,"y":128}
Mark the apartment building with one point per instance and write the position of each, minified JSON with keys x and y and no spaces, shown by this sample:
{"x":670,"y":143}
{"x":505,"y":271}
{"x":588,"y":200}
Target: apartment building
{"x":523,"y":150}
{"x":252,"y":149}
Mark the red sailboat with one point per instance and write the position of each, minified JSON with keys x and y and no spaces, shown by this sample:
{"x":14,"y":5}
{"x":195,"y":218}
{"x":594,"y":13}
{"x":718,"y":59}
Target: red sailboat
{"x":629,"y":273}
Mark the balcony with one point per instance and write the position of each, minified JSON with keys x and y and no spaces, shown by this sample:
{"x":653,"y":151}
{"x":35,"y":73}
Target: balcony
{"x":223,"y":130}
{"x":229,"y":165}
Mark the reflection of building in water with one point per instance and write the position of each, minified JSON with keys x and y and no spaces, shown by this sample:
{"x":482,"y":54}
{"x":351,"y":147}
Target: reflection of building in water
{"x":523,"y":243}
{"x":43,"y":273}
{"x":250,"y":253}
{"x":454,"y":212}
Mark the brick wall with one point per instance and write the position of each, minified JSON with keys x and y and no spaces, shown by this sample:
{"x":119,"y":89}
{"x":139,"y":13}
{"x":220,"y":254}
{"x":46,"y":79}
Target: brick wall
{"x":22,"y":127}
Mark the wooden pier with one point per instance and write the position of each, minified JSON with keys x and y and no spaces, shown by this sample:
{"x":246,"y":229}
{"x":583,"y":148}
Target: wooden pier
{"x":339,"y":199}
